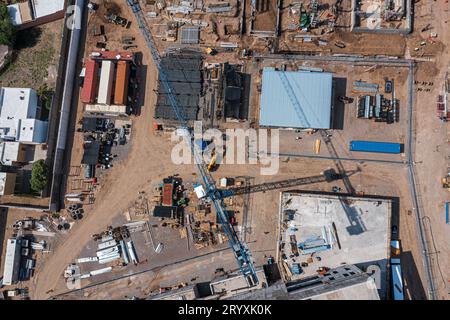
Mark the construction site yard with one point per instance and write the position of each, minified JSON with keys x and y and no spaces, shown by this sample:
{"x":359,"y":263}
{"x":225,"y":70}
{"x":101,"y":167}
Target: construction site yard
{"x":146,"y":160}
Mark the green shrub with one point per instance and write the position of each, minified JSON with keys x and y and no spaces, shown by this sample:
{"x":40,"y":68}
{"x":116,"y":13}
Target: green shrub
{"x":39,"y":176}
{"x":7,"y":29}
{"x":45,"y":94}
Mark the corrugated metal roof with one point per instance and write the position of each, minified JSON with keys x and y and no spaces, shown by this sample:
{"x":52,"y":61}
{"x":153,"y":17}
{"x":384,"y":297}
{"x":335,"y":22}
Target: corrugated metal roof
{"x":312,"y":91}
{"x":190,"y":35}
{"x":106,"y":82}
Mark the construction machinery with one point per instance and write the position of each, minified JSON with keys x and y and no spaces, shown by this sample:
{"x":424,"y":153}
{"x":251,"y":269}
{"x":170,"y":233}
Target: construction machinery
{"x":240,"y":250}
{"x":112,"y":18}
{"x":212,"y":162}
{"x":304,"y":20}
{"x":211,"y":51}
{"x":445,"y":181}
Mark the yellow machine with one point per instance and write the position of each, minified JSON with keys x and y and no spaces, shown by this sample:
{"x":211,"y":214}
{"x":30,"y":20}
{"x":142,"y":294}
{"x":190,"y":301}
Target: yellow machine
{"x":212,"y":163}
{"x":211,"y":51}
{"x":446,"y":182}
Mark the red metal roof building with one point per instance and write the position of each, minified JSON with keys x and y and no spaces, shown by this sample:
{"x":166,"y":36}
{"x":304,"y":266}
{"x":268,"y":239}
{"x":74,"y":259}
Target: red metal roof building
{"x":89,"y":90}
{"x":122,"y":77}
{"x":167,"y":199}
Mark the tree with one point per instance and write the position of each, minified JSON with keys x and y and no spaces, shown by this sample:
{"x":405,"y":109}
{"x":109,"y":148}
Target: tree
{"x":7,"y":29}
{"x":45,"y":94}
{"x":39,"y":176}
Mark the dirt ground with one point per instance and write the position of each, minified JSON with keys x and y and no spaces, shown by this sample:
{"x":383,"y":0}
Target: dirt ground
{"x":266,"y":20}
{"x":149,"y":161}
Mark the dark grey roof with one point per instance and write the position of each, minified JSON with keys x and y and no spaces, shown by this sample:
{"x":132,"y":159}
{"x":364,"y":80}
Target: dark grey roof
{"x":165,"y":212}
{"x":92,"y":124}
{"x":233,"y":95}
{"x":90,"y":155}
{"x":182,"y":71}
{"x":190,"y":35}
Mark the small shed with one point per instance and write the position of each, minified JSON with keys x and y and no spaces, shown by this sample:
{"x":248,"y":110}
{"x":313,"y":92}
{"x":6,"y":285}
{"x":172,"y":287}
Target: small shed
{"x":165,"y":212}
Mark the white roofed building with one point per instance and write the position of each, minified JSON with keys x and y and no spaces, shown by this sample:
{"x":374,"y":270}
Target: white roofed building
{"x":27,"y":14}
{"x":19,"y":125}
{"x":42,"y":8}
{"x":12,"y":153}
{"x":18,"y":112}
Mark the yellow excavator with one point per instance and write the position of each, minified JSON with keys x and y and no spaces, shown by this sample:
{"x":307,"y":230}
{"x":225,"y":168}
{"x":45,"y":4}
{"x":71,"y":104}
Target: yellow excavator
{"x":446,"y":180}
{"x":212,"y":162}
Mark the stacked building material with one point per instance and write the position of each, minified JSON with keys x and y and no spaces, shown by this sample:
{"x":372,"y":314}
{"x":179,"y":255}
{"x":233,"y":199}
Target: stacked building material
{"x":108,"y":251}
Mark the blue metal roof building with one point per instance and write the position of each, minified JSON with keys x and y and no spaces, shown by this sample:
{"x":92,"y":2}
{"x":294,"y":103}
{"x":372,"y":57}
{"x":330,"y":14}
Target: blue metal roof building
{"x":284,"y":92}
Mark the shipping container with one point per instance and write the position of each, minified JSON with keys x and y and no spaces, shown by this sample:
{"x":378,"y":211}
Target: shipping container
{"x":397,"y":281}
{"x":375,"y":146}
{"x":167,"y":199}
{"x":11,"y":262}
{"x":122,"y":77}
{"x":447,"y":219}
{"x":89,"y":90}
{"x":106,"y":82}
